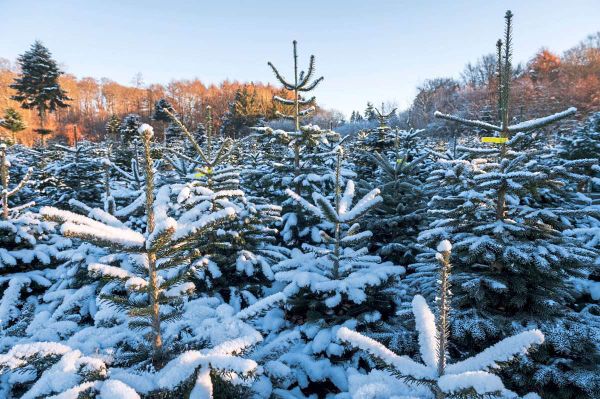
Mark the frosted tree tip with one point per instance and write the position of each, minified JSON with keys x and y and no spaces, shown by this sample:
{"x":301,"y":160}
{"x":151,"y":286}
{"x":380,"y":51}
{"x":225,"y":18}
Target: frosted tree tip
{"x":418,"y":300}
{"x":146,"y":128}
{"x":2,"y":146}
{"x":444,"y":246}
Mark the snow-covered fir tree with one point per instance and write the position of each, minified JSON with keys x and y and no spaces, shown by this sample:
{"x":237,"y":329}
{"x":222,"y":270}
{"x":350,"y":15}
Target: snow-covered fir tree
{"x":435,"y":377}
{"x":30,"y":250}
{"x":400,"y":175}
{"x":240,"y":254}
{"x":156,"y":338}
{"x":128,"y":129}
{"x":300,"y":163}
{"x":329,"y":285}
{"x":112,"y":128}
{"x":76,"y":174}
{"x":504,"y":209}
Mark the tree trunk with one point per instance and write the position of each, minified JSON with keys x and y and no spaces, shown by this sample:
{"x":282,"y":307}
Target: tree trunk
{"x":4,"y":182}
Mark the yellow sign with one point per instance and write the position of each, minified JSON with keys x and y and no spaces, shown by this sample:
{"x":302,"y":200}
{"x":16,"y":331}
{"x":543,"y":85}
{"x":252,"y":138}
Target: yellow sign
{"x":203,"y":172}
{"x":497,"y":140}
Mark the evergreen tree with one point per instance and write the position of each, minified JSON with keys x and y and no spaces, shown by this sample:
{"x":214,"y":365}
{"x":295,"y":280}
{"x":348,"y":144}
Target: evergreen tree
{"x":584,"y":142}
{"x":112,"y":128}
{"x":129,"y":128}
{"x":302,"y":159}
{"x":383,"y":118}
{"x":148,"y":276}
{"x":328,"y":285}
{"x":401,"y":174}
{"x":242,"y":113}
{"x":505,"y":210}
{"x":13,"y":122}
{"x":30,"y":249}
{"x":302,"y":84}
{"x":381,"y":139}
{"x":370,"y":112}
{"x":435,"y":377}
{"x":38,"y":85}
{"x":160,"y":111}
{"x":77,"y":173}
{"x":170,"y":132}
{"x":241,"y":254}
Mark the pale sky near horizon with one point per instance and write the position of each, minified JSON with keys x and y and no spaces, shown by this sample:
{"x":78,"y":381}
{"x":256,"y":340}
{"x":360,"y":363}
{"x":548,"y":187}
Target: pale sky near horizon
{"x":367,"y":50}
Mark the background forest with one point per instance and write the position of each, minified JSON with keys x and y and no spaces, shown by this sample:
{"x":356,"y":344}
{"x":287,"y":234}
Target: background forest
{"x":547,"y":81}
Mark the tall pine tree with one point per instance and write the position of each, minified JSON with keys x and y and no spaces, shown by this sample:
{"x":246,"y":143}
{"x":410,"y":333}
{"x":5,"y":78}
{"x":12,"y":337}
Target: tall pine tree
{"x":38,"y":87}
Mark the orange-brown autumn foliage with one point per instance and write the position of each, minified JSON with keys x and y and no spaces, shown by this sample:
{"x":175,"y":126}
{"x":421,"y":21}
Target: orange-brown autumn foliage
{"x":95,"y":100}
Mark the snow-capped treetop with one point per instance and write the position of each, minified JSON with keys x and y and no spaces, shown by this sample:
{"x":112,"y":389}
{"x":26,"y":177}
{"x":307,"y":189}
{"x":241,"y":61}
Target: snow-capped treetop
{"x":444,"y":246}
{"x":146,"y":129}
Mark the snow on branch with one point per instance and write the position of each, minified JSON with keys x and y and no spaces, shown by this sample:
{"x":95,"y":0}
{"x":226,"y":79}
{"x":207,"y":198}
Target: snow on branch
{"x":283,"y":100}
{"x":481,"y":381}
{"x":183,"y":366}
{"x":541,"y":122}
{"x":425,"y":325}
{"x":519,"y":127}
{"x":365,"y":204}
{"x":19,"y":354}
{"x":75,"y":225}
{"x":261,"y":306}
{"x":188,"y":230}
{"x":468,"y":122}
{"x":500,"y":352}
{"x":304,"y":203}
{"x":403,"y":364}
{"x":97,"y":214}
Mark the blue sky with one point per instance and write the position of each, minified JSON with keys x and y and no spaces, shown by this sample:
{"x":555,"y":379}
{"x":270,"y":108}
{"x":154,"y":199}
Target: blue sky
{"x":367,"y":50}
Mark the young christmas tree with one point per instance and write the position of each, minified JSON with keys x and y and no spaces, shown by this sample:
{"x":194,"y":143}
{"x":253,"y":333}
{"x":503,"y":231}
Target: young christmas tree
{"x":436,"y":376}
{"x":129,"y":128}
{"x":328,"y":285}
{"x":38,"y":87}
{"x":239,"y":255}
{"x":112,"y":128}
{"x":401,"y":175}
{"x":370,"y":112}
{"x":242,"y":113}
{"x":77,"y":173}
{"x":172,"y":135}
{"x":147,"y":278}
{"x":302,"y":83}
{"x":29,"y":251}
{"x":13,"y":122}
{"x":301,"y":159}
{"x":501,"y":207}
